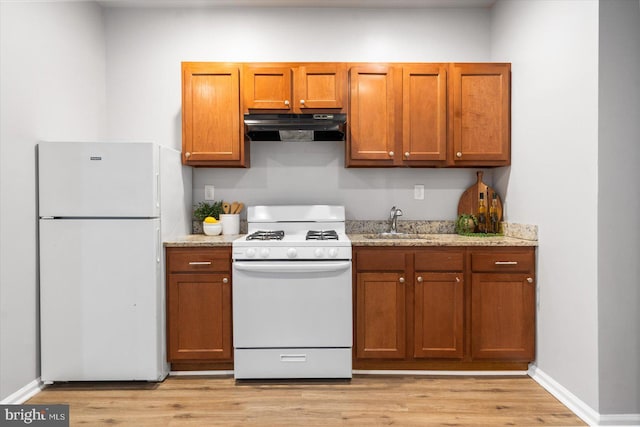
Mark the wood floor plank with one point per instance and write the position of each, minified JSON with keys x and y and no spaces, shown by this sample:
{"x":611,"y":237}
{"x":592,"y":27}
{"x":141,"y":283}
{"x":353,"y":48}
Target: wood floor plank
{"x":364,"y":401}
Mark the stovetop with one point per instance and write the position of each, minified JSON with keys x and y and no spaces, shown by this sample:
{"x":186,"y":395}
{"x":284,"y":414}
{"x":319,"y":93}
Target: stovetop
{"x":280,"y":235}
{"x":315,"y":232}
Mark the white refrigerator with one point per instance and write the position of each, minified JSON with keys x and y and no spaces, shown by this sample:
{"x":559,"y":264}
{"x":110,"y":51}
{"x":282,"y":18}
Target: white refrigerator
{"x":104,"y":210}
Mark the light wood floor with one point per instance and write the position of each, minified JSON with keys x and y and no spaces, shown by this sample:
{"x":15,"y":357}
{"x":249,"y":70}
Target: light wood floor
{"x":364,"y":401}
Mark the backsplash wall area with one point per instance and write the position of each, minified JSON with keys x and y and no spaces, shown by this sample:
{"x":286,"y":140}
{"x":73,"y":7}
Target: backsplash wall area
{"x":314,"y":173}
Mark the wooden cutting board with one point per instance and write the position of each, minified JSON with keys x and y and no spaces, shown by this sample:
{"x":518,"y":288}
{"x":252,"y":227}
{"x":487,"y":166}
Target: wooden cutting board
{"x":468,"y":203}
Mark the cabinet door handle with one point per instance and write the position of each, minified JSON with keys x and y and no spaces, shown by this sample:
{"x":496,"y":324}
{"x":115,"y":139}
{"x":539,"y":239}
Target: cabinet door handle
{"x":506,"y":262}
{"x":302,"y":102}
{"x":187,"y":154}
{"x":419,"y":279}
{"x":401,"y":280}
{"x":225,"y":280}
{"x":199,"y":262}
{"x":529,"y":280}
{"x":286,"y":102}
{"x":459,"y":154}
{"x":457,"y":280}
{"x":391,"y":153}
{"x":406,"y":154}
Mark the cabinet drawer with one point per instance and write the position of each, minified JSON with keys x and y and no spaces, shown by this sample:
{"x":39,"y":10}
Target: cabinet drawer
{"x":198,"y":260}
{"x":522,"y":261}
{"x":440,"y":260}
{"x":380,"y":260}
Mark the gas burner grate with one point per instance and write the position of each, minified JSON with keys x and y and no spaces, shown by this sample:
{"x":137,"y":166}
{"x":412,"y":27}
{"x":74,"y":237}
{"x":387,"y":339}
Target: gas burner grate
{"x":266,"y":235}
{"x":322,"y":235}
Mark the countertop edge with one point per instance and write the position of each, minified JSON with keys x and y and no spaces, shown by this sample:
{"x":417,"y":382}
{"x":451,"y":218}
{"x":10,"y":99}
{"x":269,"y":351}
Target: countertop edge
{"x":361,"y":240}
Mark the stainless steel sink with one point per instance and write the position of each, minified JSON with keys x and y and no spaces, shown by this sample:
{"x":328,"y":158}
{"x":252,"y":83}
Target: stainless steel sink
{"x":403,"y":236}
{"x":392,"y":236}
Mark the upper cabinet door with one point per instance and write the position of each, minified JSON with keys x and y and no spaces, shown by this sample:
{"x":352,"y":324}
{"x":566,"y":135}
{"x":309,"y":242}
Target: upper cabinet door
{"x":424,"y":113}
{"x":372,"y":121}
{"x":268,"y":88}
{"x":481,"y":114}
{"x":211,"y":128}
{"x":320,"y":86}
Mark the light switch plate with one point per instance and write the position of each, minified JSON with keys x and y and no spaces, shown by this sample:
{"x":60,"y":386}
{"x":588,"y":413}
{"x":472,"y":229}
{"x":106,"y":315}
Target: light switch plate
{"x":209,"y":193}
{"x":418,"y":192}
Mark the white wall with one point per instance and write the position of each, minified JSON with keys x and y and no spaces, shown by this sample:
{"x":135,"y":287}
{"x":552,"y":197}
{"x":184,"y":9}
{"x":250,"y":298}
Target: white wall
{"x":553,"y":180}
{"x":145,"y":48}
{"x":618,"y":205}
{"x":53,"y":87}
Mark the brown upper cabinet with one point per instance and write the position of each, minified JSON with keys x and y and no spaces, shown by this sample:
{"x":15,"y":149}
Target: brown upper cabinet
{"x":480,"y":111}
{"x":295,"y":88}
{"x":424,"y":114}
{"x":212,"y":133}
{"x":373,"y":106}
{"x":429,"y":115}
{"x":399,"y":114}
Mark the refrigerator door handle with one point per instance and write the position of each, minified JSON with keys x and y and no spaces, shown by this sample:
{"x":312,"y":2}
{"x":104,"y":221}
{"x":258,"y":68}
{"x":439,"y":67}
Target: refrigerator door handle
{"x":158,"y":245}
{"x":157,"y":190}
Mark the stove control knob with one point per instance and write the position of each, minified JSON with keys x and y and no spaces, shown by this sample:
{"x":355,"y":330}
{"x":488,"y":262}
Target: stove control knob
{"x":264,"y":252}
{"x":333,"y":252}
{"x":292,"y":252}
{"x":319,"y":253}
{"x":251,"y":252}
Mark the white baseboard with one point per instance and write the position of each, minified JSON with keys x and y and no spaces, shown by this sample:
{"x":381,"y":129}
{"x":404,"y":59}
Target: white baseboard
{"x":578,"y":407}
{"x":620,"y":420}
{"x":24,"y":394}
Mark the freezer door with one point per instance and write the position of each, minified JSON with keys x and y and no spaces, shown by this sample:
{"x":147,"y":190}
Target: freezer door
{"x":77,"y":179}
{"x":101,"y":300}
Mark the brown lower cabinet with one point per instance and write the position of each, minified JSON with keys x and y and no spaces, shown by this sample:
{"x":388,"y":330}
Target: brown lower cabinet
{"x":444,"y":308}
{"x":199,"y":330}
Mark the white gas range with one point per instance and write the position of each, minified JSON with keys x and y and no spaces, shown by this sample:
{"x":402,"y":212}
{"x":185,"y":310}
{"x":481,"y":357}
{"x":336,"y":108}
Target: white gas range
{"x":292,"y":308}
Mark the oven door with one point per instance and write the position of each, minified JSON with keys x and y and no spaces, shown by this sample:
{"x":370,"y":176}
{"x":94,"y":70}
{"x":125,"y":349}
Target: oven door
{"x":292,"y":304}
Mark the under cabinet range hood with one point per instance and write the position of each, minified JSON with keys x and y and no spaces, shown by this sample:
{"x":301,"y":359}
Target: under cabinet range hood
{"x":295,"y":127}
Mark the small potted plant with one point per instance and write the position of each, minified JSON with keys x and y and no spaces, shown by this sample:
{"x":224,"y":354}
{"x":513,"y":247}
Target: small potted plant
{"x":466,"y":224}
{"x":209,"y":214}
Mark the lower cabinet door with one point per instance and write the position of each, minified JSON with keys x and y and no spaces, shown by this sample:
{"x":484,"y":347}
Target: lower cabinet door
{"x":502,"y":316}
{"x":199,"y":318}
{"x":438,"y":315}
{"x":380,"y":316}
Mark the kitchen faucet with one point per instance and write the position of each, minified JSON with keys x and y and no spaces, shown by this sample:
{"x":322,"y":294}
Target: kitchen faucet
{"x":393,"y":219}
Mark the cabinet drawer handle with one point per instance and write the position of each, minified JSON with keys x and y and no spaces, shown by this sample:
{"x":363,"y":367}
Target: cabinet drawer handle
{"x":199,"y":262}
{"x":506,"y":262}
{"x":293,"y":357}
{"x":401,"y":280}
{"x":529,"y":280}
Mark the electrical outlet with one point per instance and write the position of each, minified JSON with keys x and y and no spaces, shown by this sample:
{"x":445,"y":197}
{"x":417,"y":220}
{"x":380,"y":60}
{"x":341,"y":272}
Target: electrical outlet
{"x":418,"y":192}
{"x":209,"y":193}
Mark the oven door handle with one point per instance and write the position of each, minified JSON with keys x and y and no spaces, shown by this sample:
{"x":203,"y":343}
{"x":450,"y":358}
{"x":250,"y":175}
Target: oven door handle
{"x":291,"y":266}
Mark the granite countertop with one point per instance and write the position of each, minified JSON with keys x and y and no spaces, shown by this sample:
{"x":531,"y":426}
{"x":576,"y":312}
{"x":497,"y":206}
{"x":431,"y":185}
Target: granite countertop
{"x":438,"y":240}
{"x":201,"y":240}
{"x":418,"y":233}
